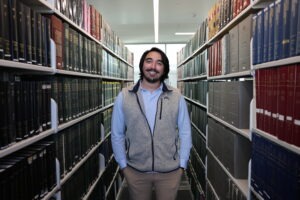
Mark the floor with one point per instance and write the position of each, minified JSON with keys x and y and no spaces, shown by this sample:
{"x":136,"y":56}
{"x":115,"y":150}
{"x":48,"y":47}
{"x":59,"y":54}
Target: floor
{"x":184,"y":192}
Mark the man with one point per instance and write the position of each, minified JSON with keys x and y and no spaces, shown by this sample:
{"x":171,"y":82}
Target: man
{"x":151,"y":132}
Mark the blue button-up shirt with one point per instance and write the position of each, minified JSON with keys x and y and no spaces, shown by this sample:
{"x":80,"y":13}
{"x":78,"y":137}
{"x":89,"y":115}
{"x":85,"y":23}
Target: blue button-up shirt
{"x":150,"y":103}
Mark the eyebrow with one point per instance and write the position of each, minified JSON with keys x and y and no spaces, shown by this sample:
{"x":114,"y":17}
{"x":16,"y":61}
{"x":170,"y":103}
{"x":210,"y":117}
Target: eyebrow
{"x":159,"y":60}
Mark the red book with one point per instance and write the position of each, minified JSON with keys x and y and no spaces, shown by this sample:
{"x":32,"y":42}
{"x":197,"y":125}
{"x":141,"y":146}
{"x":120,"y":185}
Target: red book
{"x":296,"y":129}
{"x":291,"y":80}
{"x":258,"y":88}
{"x":273,"y":102}
{"x":246,"y":3}
{"x":268,"y":101}
{"x":263,"y":96}
{"x":282,"y":101}
{"x":93,"y":21}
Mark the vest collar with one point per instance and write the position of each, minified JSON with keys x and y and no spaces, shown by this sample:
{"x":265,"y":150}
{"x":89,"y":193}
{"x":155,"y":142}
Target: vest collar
{"x":135,"y":88}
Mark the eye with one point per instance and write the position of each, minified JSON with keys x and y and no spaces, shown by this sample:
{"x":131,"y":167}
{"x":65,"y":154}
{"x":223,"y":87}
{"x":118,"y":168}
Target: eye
{"x":148,"y":60}
{"x":160,"y":63}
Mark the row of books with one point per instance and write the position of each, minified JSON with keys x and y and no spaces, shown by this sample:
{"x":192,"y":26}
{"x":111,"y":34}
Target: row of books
{"x":77,"y":52}
{"x":195,"y":67}
{"x":199,"y":39}
{"x":87,"y":17}
{"x":199,"y":168}
{"x":230,"y":101}
{"x":107,"y":114}
{"x":197,"y":191}
{"x":29,"y":173}
{"x":277,"y":102}
{"x":109,"y":183}
{"x":198,"y":116}
{"x":274,"y":170}
{"x":113,"y":67}
{"x":75,"y":97}
{"x":195,"y":90}
{"x":231,"y":54}
{"x":199,"y":144}
{"x":73,"y":143}
{"x":25,"y":103}
{"x":222,"y":12}
{"x":77,"y":186}
{"x":223,"y":185}
{"x":110,"y":91}
{"x":25,"y":34}
{"x":234,"y":154}
{"x":25,"y":37}
{"x":276,"y":31}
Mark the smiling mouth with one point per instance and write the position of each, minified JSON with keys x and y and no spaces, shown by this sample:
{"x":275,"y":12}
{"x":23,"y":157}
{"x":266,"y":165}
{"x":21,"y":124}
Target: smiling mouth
{"x":152,"y":72}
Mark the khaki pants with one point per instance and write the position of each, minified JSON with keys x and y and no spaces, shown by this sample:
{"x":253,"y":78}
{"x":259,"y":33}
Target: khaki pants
{"x":140,"y":184}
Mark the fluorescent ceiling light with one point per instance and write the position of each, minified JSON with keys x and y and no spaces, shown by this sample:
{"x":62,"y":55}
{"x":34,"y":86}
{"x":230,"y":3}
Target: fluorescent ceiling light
{"x":155,"y":12}
{"x":185,"y":33}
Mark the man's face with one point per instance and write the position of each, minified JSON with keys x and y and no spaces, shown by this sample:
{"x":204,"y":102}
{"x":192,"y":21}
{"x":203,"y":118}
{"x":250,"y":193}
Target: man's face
{"x":153,"y":67}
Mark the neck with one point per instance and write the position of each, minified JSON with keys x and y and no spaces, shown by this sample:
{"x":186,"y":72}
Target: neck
{"x":150,"y":86}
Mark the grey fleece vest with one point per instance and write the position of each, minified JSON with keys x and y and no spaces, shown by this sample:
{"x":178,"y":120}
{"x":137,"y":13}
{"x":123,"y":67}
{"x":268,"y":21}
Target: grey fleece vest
{"x":158,"y":151}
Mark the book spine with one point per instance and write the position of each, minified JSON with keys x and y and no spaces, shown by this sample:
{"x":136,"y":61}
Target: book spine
{"x":286,"y":19}
{"x":271,"y":30}
{"x":266,"y":24}
{"x":33,"y":36}
{"x":296,"y":115}
{"x":278,"y":29}
{"x":28,"y":28}
{"x":293,"y":26}
{"x":13,"y":29}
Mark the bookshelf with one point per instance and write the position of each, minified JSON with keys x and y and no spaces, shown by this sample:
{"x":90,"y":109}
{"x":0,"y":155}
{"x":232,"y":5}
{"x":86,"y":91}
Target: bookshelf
{"x":220,"y":75}
{"x":59,"y":116}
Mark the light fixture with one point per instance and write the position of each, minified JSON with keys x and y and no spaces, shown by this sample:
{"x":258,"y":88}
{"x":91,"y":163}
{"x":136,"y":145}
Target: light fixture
{"x":156,"y":12}
{"x":185,"y":33}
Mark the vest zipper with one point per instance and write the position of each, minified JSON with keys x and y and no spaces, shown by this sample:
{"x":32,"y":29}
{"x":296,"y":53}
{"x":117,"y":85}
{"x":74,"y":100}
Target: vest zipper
{"x":152,"y":144}
{"x":161,"y":106}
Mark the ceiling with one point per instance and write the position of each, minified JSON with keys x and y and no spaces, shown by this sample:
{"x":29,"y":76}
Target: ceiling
{"x":132,"y":20}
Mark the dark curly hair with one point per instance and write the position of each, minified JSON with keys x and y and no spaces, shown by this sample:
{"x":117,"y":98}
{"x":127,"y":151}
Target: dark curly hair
{"x":165,"y":61}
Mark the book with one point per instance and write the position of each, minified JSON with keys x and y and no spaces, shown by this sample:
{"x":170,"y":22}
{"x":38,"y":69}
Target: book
{"x":245,"y":31}
{"x":282,"y":102}
{"x":33,"y":36}
{"x":13,"y":29}
{"x":266,"y":25}
{"x":298,"y":33}
{"x":286,"y":20}
{"x":28,"y":36}
{"x":56,"y":35}
{"x":234,"y":49}
{"x":294,"y":12}
{"x":271,"y":34}
{"x":260,"y":36}
{"x":278,"y":27}
{"x":296,"y":114}
{"x":254,"y":40}
{"x":21,"y":23}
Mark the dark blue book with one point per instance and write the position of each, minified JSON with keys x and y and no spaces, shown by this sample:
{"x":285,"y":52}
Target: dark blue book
{"x":266,"y":35}
{"x":278,"y":30}
{"x":286,"y":28}
{"x":298,"y":32}
{"x":271,"y":31}
{"x":293,"y":26}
